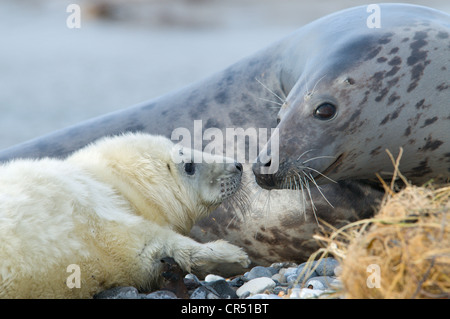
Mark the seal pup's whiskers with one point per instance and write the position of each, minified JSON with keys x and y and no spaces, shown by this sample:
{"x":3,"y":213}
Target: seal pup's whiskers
{"x":266,"y":208}
{"x":256,"y":196}
{"x":231,"y":221}
{"x":255,"y":200}
{"x":239,"y":203}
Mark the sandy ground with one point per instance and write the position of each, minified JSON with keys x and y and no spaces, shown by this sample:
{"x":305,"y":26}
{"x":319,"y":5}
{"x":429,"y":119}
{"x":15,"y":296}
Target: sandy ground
{"x":52,"y":76}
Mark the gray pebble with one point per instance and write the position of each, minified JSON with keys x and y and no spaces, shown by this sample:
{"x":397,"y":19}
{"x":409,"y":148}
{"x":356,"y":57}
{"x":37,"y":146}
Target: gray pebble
{"x":258,"y":272}
{"x":238,"y":281}
{"x":264,"y":296}
{"x":305,"y":293}
{"x":291,"y":279}
{"x":204,"y":292}
{"x":278,"y":278}
{"x":296,"y":279}
{"x":326,"y":266}
{"x":245,"y":295}
{"x":161,"y":294}
{"x":256,"y":286}
{"x":211,"y":278}
{"x":305,"y":268}
{"x":278,"y":289}
{"x":273,"y":270}
{"x":191,"y":281}
{"x":199,"y":293}
{"x":321,"y":282}
{"x":119,"y":293}
{"x":289,"y":272}
{"x":281,"y":265}
{"x":223,"y":289}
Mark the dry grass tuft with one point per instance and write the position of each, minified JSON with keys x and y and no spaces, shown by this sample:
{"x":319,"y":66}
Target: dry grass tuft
{"x":403,"y":251}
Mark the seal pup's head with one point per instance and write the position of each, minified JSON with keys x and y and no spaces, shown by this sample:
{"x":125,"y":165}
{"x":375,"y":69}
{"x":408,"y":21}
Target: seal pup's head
{"x":163,"y":183}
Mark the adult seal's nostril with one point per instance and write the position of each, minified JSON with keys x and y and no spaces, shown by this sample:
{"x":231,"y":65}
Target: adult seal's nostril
{"x":260,"y":167}
{"x":238,"y":166}
{"x":263,"y":177}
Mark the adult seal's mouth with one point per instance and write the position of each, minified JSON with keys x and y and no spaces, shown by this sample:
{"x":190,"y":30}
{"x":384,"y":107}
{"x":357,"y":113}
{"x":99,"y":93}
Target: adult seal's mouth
{"x":266,"y":181}
{"x":293,"y":175}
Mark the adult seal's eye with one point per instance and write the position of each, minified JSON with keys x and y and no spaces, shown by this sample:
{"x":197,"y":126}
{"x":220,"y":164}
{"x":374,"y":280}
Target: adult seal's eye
{"x":189,"y":168}
{"x":325,"y":111}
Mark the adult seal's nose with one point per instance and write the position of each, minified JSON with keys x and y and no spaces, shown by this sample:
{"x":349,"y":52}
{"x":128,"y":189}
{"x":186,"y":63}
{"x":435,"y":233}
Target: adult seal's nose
{"x":260,"y":168}
{"x":263,"y":177}
{"x":238,"y":166}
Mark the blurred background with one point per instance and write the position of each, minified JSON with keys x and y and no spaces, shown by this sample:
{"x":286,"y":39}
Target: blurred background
{"x":128,"y":51}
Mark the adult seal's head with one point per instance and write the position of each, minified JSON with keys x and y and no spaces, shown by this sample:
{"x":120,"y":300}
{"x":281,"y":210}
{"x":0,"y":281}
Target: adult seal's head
{"x":367,"y":91}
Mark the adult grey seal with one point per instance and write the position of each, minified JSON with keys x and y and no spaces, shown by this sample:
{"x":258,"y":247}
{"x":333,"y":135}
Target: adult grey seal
{"x":371,"y":90}
{"x":280,"y":224}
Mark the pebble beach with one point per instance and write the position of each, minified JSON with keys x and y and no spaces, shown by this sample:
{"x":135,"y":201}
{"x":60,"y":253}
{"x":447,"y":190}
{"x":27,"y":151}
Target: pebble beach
{"x":284,"y":280}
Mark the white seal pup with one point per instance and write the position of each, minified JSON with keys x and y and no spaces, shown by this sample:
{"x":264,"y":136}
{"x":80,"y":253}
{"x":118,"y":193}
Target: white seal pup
{"x":106,"y":215}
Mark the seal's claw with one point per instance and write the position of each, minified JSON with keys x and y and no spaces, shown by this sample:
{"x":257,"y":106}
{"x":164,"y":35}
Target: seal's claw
{"x":245,"y":262}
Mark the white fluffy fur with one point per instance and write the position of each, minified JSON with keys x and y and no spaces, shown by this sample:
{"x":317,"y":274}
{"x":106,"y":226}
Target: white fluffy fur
{"x":113,"y":208}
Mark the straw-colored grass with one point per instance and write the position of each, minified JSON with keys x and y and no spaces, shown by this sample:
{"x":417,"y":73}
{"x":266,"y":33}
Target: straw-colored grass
{"x":402,"y":252}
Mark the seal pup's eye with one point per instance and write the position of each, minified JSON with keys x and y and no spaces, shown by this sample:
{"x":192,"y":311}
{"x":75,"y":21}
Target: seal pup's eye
{"x":189,"y":168}
{"x":325,"y":111}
